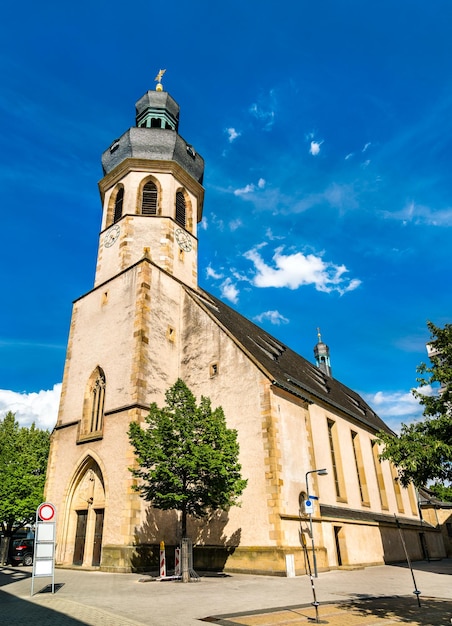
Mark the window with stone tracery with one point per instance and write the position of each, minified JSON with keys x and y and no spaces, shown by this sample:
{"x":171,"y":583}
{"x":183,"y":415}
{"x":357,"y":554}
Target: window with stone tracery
{"x":97,"y":402}
{"x":93,"y":406}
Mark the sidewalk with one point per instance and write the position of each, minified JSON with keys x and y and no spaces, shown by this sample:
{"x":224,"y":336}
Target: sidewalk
{"x":371,"y":596}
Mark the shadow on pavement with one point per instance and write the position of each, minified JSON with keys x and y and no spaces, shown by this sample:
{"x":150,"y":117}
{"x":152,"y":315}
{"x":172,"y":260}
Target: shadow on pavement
{"x":21,"y":612}
{"x":10,"y":575}
{"x":437,"y":567}
{"x":403,"y":609}
{"x":363,"y":611}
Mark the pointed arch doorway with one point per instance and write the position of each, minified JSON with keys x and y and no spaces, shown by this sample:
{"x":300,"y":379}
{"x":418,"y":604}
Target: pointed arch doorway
{"x":86,"y":515}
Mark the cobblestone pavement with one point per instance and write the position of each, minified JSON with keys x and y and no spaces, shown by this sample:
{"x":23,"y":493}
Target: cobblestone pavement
{"x":54,"y":611}
{"x":366,"y":597}
{"x":371,"y":612}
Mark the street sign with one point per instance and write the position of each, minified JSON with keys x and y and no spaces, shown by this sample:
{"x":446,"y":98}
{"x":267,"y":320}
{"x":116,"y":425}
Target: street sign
{"x":308,"y":507}
{"x":44,"y":553}
{"x":46,"y":512}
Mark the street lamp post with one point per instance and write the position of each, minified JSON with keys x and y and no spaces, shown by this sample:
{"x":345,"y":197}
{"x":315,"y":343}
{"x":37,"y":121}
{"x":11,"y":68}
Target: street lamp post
{"x":319,"y":472}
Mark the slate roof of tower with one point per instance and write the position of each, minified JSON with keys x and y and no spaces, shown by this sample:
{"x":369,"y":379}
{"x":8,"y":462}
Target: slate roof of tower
{"x":287,"y":369}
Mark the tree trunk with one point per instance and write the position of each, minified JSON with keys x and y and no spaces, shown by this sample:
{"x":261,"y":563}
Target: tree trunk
{"x":4,"y":549}
{"x":184,"y":522}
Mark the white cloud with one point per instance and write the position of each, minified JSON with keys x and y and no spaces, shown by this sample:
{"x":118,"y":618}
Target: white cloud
{"x":203,"y":224}
{"x":250,"y":188}
{"x":274,"y":317}
{"x":342,"y":197}
{"x":244,"y":190}
{"x":40,"y":408}
{"x":229,"y":291}
{"x":315,"y":147}
{"x":419,"y":214}
{"x":234,"y":224}
{"x":366,"y":146}
{"x":349,"y":156}
{"x":396,"y":407}
{"x":232,"y":134}
{"x":272,"y":237}
{"x":265,"y":112}
{"x":211,"y":273}
{"x":217,"y":221}
{"x":296,"y":270}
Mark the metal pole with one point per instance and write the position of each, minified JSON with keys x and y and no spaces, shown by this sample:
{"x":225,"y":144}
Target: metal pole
{"x":416,"y":591}
{"x":315,"y":604}
{"x":314,"y":560}
{"x":320,"y":472}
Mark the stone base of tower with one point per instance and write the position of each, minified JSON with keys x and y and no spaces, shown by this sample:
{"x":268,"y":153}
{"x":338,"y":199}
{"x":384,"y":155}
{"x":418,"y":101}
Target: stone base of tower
{"x":270,"y":561}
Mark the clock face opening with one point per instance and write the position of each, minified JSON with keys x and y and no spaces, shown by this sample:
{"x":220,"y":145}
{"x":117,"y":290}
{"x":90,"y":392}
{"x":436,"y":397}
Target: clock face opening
{"x":183,"y":240}
{"x":111,"y":236}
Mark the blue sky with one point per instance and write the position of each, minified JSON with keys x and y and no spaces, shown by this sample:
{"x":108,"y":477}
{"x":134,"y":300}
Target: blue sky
{"x":326,"y":129}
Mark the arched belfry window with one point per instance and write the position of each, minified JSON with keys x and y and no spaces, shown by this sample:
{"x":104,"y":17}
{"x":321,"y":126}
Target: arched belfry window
{"x":180,"y":208}
{"x":94,"y":408}
{"x":119,"y":200}
{"x":149,"y":199}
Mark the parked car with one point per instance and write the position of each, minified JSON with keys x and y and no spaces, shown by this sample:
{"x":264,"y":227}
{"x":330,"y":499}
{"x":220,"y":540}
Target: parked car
{"x":22,"y":551}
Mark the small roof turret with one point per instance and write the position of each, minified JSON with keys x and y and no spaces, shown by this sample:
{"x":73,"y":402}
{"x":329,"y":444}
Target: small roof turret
{"x":322,"y":355}
{"x":157,"y":109}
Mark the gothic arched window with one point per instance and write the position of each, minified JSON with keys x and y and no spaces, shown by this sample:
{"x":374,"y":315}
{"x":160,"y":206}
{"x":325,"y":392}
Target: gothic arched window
{"x":95,"y":414}
{"x":149,"y":199}
{"x":119,"y":200}
{"x":180,"y":208}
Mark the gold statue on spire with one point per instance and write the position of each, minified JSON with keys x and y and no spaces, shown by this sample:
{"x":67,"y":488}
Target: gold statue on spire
{"x":158,"y":79}
{"x":319,"y":336}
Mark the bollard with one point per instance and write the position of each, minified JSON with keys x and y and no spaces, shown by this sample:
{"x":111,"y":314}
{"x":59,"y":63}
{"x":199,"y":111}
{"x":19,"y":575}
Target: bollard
{"x":177,"y":568}
{"x":162,"y":560}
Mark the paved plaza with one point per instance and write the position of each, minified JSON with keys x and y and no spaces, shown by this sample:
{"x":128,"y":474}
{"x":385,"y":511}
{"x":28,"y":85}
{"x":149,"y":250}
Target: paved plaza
{"x":364,"y":597}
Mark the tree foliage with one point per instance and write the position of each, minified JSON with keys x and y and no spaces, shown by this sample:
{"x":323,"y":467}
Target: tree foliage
{"x":423,"y":450}
{"x":442,"y":492}
{"x":23,"y":462}
{"x":187,"y":457}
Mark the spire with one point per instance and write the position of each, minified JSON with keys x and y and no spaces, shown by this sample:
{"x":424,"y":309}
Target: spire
{"x":322,"y":355}
{"x":155,"y":135}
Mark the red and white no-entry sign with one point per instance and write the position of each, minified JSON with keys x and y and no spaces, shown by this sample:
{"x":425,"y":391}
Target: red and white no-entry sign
{"x":46,"y":512}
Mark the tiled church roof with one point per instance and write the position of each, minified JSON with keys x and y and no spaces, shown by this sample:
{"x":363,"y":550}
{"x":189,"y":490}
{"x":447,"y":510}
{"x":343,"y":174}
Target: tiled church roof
{"x":287,"y":369}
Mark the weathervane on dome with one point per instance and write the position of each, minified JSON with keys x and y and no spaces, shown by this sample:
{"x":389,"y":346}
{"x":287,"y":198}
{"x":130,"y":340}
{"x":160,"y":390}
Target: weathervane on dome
{"x":158,"y":79}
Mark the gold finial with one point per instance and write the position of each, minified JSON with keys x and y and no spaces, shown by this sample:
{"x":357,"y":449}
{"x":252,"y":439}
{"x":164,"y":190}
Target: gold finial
{"x":319,"y":336}
{"x":158,"y":79}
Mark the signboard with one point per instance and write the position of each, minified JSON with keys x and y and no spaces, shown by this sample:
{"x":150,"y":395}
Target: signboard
{"x":308,"y":507}
{"x":44,"y":554}
{"x":45,"y":532}
{"x":46,"y":512}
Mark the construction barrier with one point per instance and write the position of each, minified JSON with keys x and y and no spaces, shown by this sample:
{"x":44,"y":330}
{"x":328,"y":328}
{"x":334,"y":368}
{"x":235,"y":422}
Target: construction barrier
{"x":162,"y":560}
{"x":177,"y":567}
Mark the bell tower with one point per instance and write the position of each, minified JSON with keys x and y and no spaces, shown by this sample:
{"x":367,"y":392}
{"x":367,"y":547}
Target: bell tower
{"x":152,"y":194}
{"x":126,"y":338}
{"x":322,"y":355}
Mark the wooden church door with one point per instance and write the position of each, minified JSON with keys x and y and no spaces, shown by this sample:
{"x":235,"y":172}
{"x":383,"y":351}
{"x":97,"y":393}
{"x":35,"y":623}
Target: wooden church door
{"x":80,"y":537}
{"x":98,"y":528}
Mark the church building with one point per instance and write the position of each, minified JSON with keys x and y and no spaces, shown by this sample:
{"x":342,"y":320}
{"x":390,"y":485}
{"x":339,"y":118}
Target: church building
{"x":146,"y":323}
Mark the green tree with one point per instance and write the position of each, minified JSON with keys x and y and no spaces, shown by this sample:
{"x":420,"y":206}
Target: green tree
{"x":442,"y":492}
{"x":23,"y":462}
{"x":423,"y":450}
{"x":187,"y":457}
